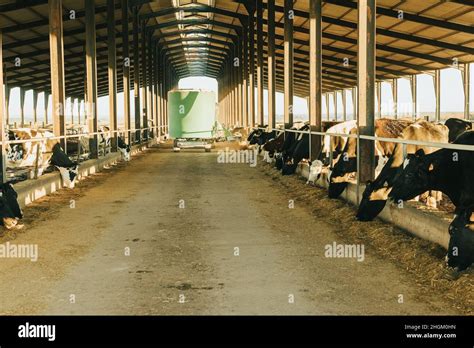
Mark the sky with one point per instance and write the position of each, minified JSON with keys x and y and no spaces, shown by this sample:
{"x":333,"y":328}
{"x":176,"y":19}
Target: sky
{"x":452,"y":98}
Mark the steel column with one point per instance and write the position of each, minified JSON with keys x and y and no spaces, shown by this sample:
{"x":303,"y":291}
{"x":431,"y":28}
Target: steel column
{"x":112,"y":72}
{"x":366,"y":87}
{"x":288,"y":64}
{"x":57,"y":66}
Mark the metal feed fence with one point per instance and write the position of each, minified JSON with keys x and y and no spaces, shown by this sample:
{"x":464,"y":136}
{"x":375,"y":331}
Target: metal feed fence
{"x":358,"y":136}
{"x":150,"y":132}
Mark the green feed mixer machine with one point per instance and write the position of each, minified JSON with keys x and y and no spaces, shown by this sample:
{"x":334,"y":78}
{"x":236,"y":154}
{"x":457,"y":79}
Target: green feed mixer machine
{"x":192,"y":118}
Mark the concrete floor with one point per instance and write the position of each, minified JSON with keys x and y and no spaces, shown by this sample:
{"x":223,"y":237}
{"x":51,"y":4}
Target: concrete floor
{"x":121,"y":244}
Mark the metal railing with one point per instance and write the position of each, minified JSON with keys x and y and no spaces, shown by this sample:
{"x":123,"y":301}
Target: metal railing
{"x":358,"y":136}
{"x":151,"y":132}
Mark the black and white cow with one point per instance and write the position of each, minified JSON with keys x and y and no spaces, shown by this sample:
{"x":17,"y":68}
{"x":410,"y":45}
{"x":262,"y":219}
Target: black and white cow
{"x":345,"y":168}
{"x":457,"y":127}
{"x":334,"y":144}
{"x":297,"y":152}
{"x":26,"y":154}
{"x":293,"y":150}
{"x":124,"y":149}
{"x":376,"y":193}
{"x":10,"y":211}
{"x":461,"y":243}
{"x":447,"y":170}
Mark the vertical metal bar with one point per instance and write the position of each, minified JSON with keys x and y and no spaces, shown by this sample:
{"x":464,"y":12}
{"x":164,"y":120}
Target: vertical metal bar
{"x":467,"y":92}
{"x":3,"y":168}
{"x":136,"y":74}
{"x":327,"y":106}
{"x":56,"y":45}
{"x":126,"y":70}
{"x":7,"y":103}
{"x":260,"y":77}
{"x":22,"y":106}
{"x":91,"y":74}
{"x":46,"y":104}
{"x":437,"y":84}
{"x":271,"y":72}
{"x":335,"y":104}
{"x":414,"y":96}
{"x":288,"y":62}
{"x":379,"y":98}
{"x":344,"y":106}
{"x":395,"y":97}
{"x":144,"y":82}
{"x":366,"y":87}
{"x":35,"y":106}
{"x":315,"y":75}
{"x":252,"y":63}
{"x":246,"y":77}
{"x":112,"y":72}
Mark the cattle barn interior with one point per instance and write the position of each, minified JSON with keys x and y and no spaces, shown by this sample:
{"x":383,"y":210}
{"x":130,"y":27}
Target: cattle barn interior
{"x":83,"y":50}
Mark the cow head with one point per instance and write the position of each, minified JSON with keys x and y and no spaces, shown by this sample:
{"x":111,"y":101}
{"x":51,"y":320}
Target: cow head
{"x":69,"y":175}
{"x":315,"y":171}
{"x":126,"y":153}
{"x":289,"y":168}
{"x":10,"y":210}
{"x":373,"y":201}
{"x":341,"y":175}
{"x":414,"y":179}
{"x":279,"y":161}
{"x":461,"y":243}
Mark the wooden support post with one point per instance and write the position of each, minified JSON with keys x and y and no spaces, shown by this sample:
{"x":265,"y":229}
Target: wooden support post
{"x":354,"y":103}
{"x":379,"y":98}
{"x":35,"y":106}
{"x":79,"y":107}
{"x":71,"y":105}
{"x":3,"y":165}
{"x":414,"y":96}
{"x":327,"y":106}
{"x":160,"y":93}
{"x":7,"y":104}
{"x":437,"y":88}
{"x":252,"y":64}
{"x":466,"y":77}
{"x":112,"y":73}
{"x":344,"y":106}
{"x":46,"y":106}
{"x":315,"y":75}
{"x":366,"y":87}
{"x":245,"y":82}
{"x":395,"y":97}
{"x":151,"y":113}
{"x":91,"y":76}
{"x":240,"y":120}
{"x":58,"y":90}
{"x":288,"y":62}
{"x":136,"y":74}
{"x":126,"y":70}
{"x":260,"y":68}
{"x":22,"y":106}
{"x":144,"y":82}
{"x":271,"y":70}
{"x":154,"y":63}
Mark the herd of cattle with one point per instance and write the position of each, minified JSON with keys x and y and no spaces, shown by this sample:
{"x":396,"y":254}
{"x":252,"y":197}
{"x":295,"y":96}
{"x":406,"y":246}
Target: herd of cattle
{"x":37,"y":148}
{"x":403,"y":172}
